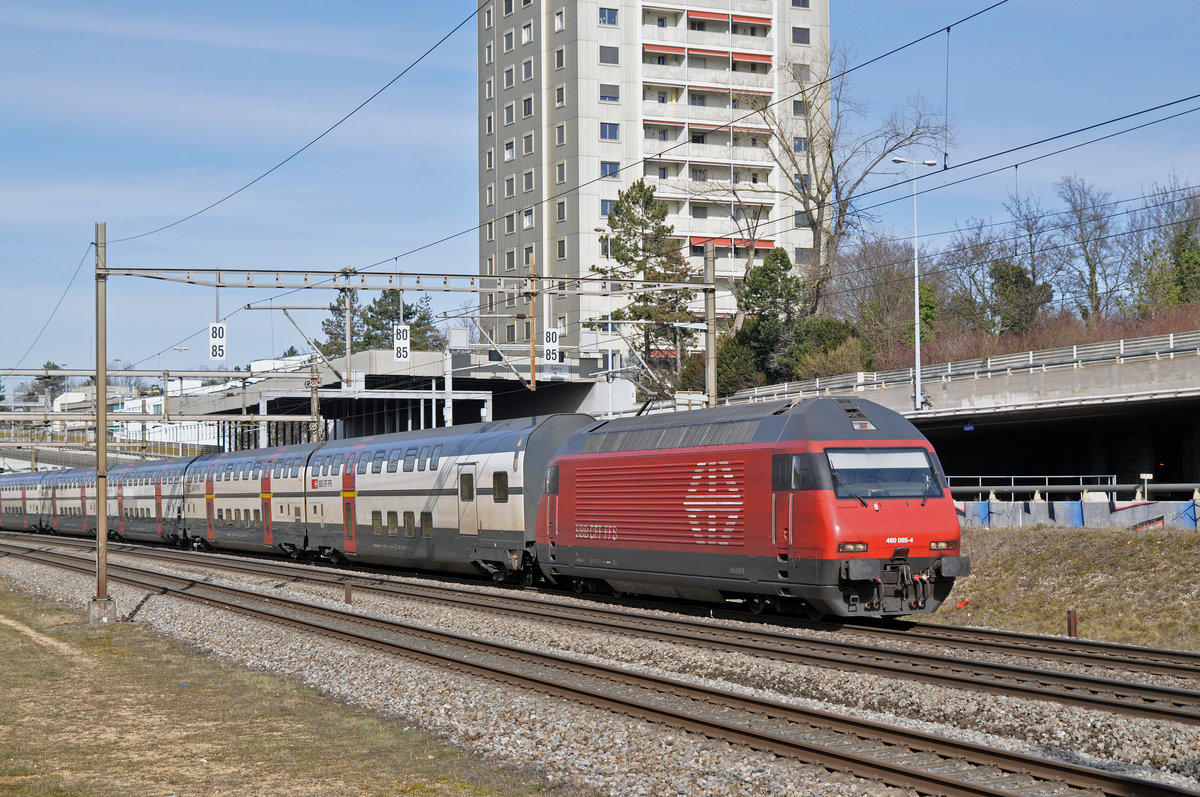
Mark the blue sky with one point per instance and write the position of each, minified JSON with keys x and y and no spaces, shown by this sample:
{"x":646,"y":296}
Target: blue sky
{"x":139,"y":114}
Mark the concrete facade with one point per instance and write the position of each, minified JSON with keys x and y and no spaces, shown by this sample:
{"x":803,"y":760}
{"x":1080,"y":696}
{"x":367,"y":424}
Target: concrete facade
{"x":580,"y":98}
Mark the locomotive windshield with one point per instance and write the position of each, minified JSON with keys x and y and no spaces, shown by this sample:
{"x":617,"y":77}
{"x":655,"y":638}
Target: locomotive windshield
{"x":860,"y":473}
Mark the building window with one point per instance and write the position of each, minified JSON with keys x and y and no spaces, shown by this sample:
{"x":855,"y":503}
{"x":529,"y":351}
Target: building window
{"x":560,"y":58}
{"x":699,"y":175}
{"x":610,"y":131}
{"x":508,"y":7}
{"x":801,"y":218}
{"x":560,"y":96}
{"x":560,"y":21}
{"x":508,"y":42}
{"x":609,"y":169}
{"x":606,"y":206}
{"x":510,"y":186}
{"x":560,"y":172}
{"x":560,"y":135}
{"x":487,"y":89}
{"x":561,"y":246}
{"x":527,"y":33}
{"x":490,"y":231}
{"x":799,"y":3}
{"x":799,"y":144}
{"x":697,"y":99}
{"x":610,"y":55}
{"x":800,"y":181}
{"x":487,"y":53}
{"x":610,"y":92}
{"x":799,"y":108}
{"x":489,"y":158}
{"x":527,"y":181}
{"x":697,"y":138}
{"x":561,"y":210}
{"x":698,"y":250}
{"x":510,"y":224}
{"x":510,"y":150}
{"x":696,"y":24}
{"x":800,"y":36}
{"x":699,"y":211}
{"x":509,"y":78}
{"x":487,"y":123}
{"x":662,"y":22}
{"x":662,"y":172}
{"x":527,"y":144}
{"x":491,"y":264}
{"x":490,"y":194}
{"x":527,"y":69}
{"x":510,"y":260}
{"x":527,"y":219}
{"x":608,"y":16}
{"x":527,"y":107}
{"x":508,"y":114}
{"x":803,"y":256}
{"x":529,"y":253}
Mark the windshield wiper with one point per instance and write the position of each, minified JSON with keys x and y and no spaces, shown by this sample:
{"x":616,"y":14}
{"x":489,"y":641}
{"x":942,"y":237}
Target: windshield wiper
{"x":848,"y":487}
{"x":928,"y":484}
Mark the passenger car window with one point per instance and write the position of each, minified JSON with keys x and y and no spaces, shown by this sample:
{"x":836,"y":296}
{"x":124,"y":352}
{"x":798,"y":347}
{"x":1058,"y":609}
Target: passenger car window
{"x":500,"y":487}
{"x":393,"y":460}
{"x":466,"y":487}
{"x":377,"y":464}
{"x":410,"y":459}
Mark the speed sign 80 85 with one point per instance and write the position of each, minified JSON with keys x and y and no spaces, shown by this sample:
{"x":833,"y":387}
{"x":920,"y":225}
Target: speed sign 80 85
{"x":216,"y":341}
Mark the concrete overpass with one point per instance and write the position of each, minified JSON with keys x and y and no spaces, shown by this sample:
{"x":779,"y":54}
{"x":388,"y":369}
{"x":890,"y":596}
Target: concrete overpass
{"x":1122,"y":407}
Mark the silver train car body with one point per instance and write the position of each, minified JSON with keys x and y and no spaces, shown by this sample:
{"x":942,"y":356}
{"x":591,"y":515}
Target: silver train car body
{"x":459,"y":499}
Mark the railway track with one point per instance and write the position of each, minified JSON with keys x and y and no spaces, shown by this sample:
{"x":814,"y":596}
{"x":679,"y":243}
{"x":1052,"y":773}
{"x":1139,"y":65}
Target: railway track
{"x":885,"y":753}
{"x":1115,"y":694}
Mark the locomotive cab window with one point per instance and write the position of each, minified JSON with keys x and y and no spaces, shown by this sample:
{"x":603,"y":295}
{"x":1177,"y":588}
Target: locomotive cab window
{"x":500,"y":487}
{"x":466,"y":487}
{"x":862,"y":473}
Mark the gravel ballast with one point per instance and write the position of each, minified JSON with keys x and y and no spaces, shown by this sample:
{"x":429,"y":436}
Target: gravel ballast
{"x":578,"y":744}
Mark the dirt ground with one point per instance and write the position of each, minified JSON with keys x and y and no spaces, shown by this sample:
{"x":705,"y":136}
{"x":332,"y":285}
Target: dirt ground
{"x":118,"y":711}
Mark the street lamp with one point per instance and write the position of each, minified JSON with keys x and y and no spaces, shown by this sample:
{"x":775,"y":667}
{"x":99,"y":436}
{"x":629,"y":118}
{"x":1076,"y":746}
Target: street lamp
{"x":917,"y":400}
{"x":180,"y":350}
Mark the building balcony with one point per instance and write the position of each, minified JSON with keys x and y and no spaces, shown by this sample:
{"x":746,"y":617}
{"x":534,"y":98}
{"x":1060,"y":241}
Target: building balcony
{"x":668,"y":34}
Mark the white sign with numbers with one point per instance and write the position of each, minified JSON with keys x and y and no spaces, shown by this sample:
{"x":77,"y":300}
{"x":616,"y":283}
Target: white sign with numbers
{"x":216,"y":341}
{"x":550,"y":346}
{"x":400,"y":342}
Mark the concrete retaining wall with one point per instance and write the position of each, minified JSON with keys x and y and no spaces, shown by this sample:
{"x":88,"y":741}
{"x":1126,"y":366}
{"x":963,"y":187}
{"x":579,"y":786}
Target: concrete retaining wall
{"x":1078,"y":514}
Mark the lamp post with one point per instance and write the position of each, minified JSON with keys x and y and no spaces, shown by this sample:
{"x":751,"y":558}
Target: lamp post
{"x":606,"y":242}
{"x":917,"y":400}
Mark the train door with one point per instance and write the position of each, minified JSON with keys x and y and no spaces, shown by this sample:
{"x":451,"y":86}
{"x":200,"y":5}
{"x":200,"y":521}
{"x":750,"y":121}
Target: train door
{"x":121,"y":507}
{"x":158,"y":513}
{"x":349,"y":496}
{"x":265,"y":497}
{"x":54,"y":507}
{"x":209,"y":511}
{"x":784,"y":504}
{"x":468,"y":510}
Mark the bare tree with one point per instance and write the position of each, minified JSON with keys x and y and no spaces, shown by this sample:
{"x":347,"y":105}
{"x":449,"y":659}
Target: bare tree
{"x":823,"y":157}
{"x":1097,"y":273}
{"x":874,"y":292}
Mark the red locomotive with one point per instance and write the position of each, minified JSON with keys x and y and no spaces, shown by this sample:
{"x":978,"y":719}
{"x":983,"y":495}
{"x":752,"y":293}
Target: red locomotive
{"x":831,"y":506}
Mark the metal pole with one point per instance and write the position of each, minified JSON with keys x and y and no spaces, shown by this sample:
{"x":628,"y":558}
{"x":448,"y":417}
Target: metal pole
{"x":710,"y":322}
{"x":532,"y":323}
{"x":101,"y":609}
{"x":916,"y":301}
{"x":448,"y":405}
{"x":348,"y":321}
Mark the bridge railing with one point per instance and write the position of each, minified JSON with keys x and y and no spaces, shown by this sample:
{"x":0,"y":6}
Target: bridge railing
{"x":1155,"y":347}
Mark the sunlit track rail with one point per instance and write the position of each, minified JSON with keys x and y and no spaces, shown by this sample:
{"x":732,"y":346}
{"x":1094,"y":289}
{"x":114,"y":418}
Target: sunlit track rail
{"x":903,"y":758}
{"x":1098,"y":693}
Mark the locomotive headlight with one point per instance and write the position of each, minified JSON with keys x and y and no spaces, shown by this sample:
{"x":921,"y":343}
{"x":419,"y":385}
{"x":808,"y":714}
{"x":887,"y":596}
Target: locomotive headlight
{"x":852,"y":547}
{"x":943,"y":545}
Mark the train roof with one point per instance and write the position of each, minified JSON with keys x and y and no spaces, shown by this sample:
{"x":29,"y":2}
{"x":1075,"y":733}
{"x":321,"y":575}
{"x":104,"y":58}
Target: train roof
{"x":768,"y":422}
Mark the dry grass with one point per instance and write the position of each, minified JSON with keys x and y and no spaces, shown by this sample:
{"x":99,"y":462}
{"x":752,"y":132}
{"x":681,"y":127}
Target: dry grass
{"x":1134,"y":587}
{"x":122,"y":712}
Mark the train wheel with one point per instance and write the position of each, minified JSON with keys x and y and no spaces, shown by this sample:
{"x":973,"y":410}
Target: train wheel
{"x":758,"y":604}
{"x":578,"y":586}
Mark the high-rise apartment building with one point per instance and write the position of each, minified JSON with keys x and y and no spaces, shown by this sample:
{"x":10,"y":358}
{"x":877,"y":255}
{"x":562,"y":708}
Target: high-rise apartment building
{"x":580,"y":98}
